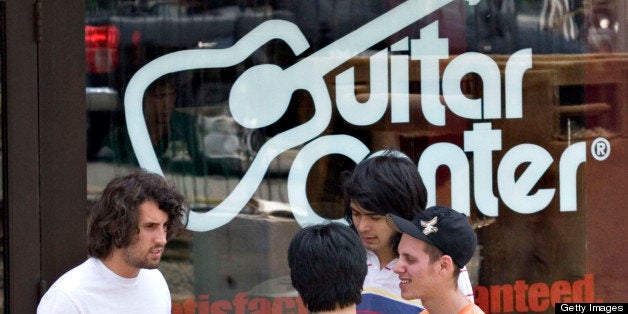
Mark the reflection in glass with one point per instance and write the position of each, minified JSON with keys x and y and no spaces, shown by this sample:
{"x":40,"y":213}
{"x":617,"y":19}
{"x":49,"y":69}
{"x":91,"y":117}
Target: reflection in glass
{"x":2,"y":169}
{"x":203,"y":149}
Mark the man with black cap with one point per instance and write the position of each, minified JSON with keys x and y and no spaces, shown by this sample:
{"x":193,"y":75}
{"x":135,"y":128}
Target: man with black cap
{"x":434,"y":246}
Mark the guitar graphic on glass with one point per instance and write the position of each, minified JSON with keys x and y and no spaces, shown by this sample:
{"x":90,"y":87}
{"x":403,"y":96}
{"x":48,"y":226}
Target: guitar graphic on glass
{"x":260,"y":96}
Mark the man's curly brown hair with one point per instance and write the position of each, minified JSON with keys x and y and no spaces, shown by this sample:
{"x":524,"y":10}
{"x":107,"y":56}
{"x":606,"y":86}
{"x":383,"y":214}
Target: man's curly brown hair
{"x":113,"y":219}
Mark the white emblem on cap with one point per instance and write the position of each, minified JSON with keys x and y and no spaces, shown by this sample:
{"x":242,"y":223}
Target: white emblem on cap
{"x":430,"y":226}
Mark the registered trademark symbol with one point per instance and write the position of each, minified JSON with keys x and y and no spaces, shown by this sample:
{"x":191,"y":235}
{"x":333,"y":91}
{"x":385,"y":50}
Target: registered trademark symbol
{"x":600,"y":148}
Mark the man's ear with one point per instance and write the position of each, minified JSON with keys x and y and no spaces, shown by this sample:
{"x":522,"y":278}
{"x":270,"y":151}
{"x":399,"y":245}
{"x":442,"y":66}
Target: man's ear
{"x":446,"y":264}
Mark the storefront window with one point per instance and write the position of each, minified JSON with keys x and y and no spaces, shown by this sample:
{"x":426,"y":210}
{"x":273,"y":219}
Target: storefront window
{"x":2,"y":115}
{"x":513,"y":111}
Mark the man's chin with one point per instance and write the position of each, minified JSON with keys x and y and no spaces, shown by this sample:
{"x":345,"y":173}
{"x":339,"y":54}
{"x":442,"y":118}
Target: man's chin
{"x":371,"y":247}
{"x":151,"y":264}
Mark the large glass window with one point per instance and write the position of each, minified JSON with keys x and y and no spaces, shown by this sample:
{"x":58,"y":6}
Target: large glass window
{"x":513,"y":111}
{"x":2,"y":170}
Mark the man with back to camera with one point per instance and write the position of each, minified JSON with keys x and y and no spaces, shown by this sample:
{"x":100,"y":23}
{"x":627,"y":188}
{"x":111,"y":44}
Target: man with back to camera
{"x":327,"y":267}
{"x":128,"y":228}
{"x":434,"y":246}
{"x":379,"y":185}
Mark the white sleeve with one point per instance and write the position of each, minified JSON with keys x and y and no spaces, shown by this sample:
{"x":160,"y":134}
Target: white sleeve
{"x":55,"y":301}
{"x":464,"y":284}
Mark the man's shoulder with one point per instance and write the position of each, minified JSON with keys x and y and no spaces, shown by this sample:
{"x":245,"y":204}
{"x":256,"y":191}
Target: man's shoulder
{"x":92,"y":286}
{"x":75,"y":275}
{"x":375,"y":301}
{"x":471,"y":308}
{"x":59,"y":298}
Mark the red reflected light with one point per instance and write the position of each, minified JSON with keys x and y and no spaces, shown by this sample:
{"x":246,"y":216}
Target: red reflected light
{"x":101,"y":48}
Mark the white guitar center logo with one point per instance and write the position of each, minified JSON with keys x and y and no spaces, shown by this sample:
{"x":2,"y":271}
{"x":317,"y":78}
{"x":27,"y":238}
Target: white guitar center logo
{"x":260,"y":97}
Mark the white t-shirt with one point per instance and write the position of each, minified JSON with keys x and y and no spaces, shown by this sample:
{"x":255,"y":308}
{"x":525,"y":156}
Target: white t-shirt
{"x":92,"y":288}
{"x":381,"y":292}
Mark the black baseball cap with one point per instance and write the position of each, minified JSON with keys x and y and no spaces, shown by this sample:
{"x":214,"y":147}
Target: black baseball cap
{"x":443,"y":227}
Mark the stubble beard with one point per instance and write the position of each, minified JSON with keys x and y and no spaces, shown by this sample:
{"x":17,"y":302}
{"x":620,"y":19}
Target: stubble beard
{"x":140,"y":260}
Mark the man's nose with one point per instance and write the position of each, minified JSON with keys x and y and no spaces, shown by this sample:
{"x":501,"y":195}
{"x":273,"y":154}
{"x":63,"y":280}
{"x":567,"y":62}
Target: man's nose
{"x":362,"y":225}
{"x":398,"y":268}
{"x":162,"y":237}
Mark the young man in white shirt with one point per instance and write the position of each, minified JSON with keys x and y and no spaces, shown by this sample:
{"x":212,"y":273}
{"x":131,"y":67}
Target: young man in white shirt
{"x":388,"y":183}
{"x":128,"y":228}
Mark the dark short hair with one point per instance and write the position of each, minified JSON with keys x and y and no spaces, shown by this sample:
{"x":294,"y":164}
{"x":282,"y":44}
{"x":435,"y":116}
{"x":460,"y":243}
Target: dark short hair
{"x":385,"y":184}
{"x":327,"y":266}
{"x":113,"y":219}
